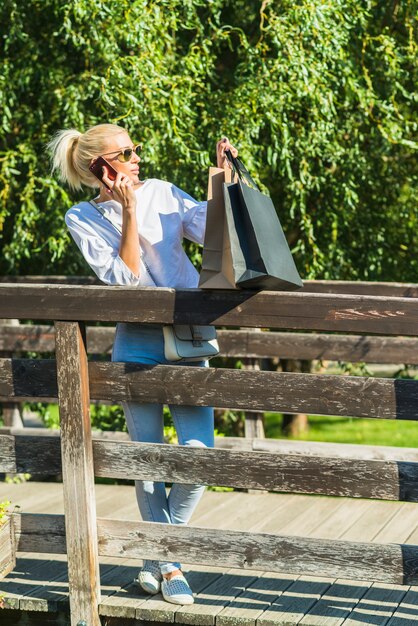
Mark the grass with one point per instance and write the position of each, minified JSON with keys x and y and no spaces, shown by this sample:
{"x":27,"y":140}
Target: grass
{"x":377,"y":432}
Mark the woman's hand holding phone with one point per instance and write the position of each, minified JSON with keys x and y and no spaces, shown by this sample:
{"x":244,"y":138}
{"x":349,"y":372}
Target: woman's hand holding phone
{"x":115,"y":183}
{"x":121,"y":188}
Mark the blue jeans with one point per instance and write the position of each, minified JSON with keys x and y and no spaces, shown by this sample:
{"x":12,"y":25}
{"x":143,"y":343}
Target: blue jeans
{"x":144,"y":343}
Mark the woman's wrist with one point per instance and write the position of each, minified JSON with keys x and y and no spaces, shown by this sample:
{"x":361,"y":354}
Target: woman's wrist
{"x":129,"y":209}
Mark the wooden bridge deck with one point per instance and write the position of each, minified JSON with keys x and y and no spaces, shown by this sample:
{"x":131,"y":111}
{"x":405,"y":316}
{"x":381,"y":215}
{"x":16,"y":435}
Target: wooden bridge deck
{"x":233,"y":597}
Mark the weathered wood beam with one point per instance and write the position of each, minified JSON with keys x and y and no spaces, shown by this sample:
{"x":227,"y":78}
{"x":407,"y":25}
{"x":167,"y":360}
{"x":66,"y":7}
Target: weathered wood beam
{"x":78,"y":473}
{"x":352,"y":348}
{"x":387,"y":480}
{"x":397,"y":564}
{"x":353,"y":396}
{"x":240,"y":343}
{"x":286,"y":472}
{"x":357,"y":287}
{"x":263,"y":309}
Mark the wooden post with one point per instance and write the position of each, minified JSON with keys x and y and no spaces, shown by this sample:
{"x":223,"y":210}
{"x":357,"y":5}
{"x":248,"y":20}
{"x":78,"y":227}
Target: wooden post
{"x":78,"y":473}
{"x":11,"y":410}
{"x":254,"y":422}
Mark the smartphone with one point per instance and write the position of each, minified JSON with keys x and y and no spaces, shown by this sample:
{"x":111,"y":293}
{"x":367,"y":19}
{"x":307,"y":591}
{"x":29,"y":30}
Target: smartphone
{"x":96,"y":169}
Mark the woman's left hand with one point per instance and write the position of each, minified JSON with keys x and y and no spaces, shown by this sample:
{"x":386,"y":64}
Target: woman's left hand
{"x":221,"y":146}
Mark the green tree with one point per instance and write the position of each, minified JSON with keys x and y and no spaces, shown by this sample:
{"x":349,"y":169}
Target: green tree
{"x":317,"y":94}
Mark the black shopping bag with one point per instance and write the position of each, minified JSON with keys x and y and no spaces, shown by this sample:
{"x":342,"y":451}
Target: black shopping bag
{"x":261,"y":256}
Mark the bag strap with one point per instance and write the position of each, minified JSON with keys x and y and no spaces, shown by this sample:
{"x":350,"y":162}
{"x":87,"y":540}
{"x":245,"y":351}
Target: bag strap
{"x":240,"y":170}
{"x":104,"y":214}
{"x":118,"y":228}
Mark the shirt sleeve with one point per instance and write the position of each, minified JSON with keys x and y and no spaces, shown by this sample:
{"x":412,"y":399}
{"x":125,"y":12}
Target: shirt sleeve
{"x":103,"y":259}
{"x":193,"y":215}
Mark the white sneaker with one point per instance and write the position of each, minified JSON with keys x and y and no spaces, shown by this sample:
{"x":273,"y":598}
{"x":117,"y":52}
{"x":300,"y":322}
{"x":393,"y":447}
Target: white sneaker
{"x":177,"y":590}
{"x":150,"y":577}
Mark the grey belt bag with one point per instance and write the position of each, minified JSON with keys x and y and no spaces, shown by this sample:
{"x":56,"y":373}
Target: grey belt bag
{"x":181,"y":342}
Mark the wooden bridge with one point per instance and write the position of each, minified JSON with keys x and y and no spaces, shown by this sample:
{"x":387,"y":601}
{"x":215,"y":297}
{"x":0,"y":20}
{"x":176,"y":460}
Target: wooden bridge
{"x":276,"y":561}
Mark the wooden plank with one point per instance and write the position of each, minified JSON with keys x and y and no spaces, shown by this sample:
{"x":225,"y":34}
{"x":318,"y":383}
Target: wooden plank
{"x":353,"y":348}
{"x":376,"y":288}
{"x":47,"y":591}
{"x":240,"y":343}
{"x":11,"y":411}
{"x":210,"y":602}
{"x":321,"y":448}
{"x":359,"y":287}
{"x":257,"y":597}
{"x":253,"y":421}
{"x":359,"y":561}
{"x":370,"y":523}
{"x":124,"y":602}
{"x":51,"y":280}
{"x":377,"y":605}
{"x":318,"y":511}
{"x":255,"y":470}
{"x":389,"y":480}
{"x":391,"y":563}
{"x":274,"y":520}
{"x":16,"y":584}
{"x":7,"y":454}
{"x":122,"y":595}
{"x":353,"y":396}
{"x":335,"y":604}
{"x":41,"y":338}
{"x":295,"y":602}
{"x":7,"y":546}
{"x":399,"y":525}
{"x":78,"y":474}
{"x":263,"y":309}
{"x":242,"y":512}
{"x":343,"y":518}
{"x":407,"y":611}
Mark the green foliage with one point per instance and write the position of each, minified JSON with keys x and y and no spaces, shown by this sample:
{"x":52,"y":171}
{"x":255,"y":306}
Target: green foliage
{"x":4,"y":511}
{"x":317,"y":94}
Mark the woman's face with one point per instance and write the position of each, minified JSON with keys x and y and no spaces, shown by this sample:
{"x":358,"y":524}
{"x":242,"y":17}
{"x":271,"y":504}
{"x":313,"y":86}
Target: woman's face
{"x":116,"y":145}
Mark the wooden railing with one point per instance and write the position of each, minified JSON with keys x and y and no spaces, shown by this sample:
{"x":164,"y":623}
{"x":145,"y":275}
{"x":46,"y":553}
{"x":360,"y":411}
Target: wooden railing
{"x":74,"y":380}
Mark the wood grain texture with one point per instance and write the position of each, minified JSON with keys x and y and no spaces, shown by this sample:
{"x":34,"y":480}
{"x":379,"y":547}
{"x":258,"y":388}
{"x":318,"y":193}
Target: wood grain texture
{"x":371,"y":288}
{"x":254,"y":470}
{"x":240,"y":343}
{"x":264,"y":309}
{"x":397,"y":564}
{"x":294,"y":473}
{"x":7,"y":454}
{"x":15,"y":586}
{"x":295,"y":602}
{"x":78,"y":475}
{"x":353,"y":348}
{"x":7,"y":547}
{"x":336,"y":603}
{"x":354,"y":396}
{"x":41,"y":338}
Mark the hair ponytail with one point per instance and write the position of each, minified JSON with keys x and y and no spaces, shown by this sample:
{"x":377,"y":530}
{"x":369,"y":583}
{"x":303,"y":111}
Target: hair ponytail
{"x":61,"y":148}
{"x":72,"y":152}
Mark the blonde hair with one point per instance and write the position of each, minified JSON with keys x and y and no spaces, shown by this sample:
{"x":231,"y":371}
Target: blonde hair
{"x":71,"y":153}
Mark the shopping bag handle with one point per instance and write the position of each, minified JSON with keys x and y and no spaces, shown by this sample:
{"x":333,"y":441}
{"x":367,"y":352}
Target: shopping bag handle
{"x":240,"y":170}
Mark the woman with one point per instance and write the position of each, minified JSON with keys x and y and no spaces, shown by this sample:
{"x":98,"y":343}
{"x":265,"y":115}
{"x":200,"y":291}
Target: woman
{"x":131,"y":234}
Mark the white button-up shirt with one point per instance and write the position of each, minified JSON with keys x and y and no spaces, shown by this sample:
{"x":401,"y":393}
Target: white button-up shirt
{"x":165,"y":214}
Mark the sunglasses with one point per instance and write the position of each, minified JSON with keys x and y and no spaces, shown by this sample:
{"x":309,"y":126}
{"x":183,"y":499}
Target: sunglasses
{"x":124,"y":156}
